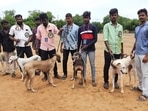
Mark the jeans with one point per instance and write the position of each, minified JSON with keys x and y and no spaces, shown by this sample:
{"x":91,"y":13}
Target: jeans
{"x":107,"y":61}
{"x":65,"y":59}
{"x":91,"y":55}
{"x":142,"y":72}
{"x":24,"y":50}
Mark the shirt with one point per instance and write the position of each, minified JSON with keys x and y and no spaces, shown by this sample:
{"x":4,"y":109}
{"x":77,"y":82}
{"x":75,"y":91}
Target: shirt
{"x":141,"y":35}
{"x":46,"y":36}
{"x":69,"y":37}
{"x":22,"y":34}
{"x":87,"y":35}
{"x":8,"y":45}
{"x":114,"y":36}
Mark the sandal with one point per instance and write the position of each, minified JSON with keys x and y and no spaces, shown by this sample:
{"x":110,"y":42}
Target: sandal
{"x":142,"y":98}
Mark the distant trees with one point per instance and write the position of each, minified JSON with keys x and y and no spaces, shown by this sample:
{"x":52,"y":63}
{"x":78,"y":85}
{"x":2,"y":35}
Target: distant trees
{"x":128,"y":24}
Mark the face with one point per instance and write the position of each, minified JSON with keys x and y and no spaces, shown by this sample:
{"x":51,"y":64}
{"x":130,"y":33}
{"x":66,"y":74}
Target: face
{"x":45,"y":22}
{"x":37,"y":22}
{"x":142,"y":17}
{"x":86,"y":20}
{"x":114,"y":17}
{"x":69,"y":20}
{"x":19,"y":20}
{"x":5,"y":26}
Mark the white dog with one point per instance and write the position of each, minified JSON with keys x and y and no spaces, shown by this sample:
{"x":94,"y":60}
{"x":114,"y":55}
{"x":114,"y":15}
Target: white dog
{"x":2,"y":59}
{"x":120,"y":66}
{"x":22,"y":61}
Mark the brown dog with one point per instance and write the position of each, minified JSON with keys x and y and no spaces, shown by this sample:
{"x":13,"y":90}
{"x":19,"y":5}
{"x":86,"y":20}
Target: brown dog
{"x":44,"y":66}
{"x":78,"y":65}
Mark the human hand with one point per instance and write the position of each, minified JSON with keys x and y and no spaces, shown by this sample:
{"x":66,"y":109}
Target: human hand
{"x":26,"y":43}
{"x":145,"y":59}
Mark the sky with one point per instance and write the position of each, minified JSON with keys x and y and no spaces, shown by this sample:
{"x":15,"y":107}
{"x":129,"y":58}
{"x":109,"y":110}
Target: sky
{"x":98,"y":8}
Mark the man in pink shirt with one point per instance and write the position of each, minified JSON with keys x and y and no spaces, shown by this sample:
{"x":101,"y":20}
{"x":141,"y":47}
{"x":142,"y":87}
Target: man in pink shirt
{"x":45,"y":34}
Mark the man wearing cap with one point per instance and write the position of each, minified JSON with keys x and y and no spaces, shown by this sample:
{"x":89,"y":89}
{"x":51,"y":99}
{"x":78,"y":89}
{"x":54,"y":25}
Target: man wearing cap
{"x":87,"y":37}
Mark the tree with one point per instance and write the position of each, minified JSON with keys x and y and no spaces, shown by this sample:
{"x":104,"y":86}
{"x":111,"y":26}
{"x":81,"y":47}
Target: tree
{"x":99,"y":26}
{"x":77,"y":19}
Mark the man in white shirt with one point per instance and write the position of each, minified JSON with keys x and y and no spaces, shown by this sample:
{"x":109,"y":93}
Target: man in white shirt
{"x":21,"y":34}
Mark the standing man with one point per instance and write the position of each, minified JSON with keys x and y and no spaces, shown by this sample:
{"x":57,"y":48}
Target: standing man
{"x":45,"y":34}
{"x":21,"y":34}
{"x":69,"y":39}
{"x":35,"y":44}
{"x":141,"y":53}
{"x":113,"y":41}
{"x":8,"y":46}
{"x":87,"y":37}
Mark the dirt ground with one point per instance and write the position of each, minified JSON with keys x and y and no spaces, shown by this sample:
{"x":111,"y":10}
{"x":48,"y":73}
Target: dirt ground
{"x":15,"y":97}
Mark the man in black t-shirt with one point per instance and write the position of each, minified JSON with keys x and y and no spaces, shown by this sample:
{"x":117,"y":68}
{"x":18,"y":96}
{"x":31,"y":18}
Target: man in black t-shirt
{"x":7,"y":46}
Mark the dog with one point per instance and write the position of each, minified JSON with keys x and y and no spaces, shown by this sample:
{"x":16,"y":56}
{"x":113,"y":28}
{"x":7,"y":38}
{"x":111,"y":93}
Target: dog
{"x":2,"y":59}
{"x":22,"y":61}
{"x":120,"y":67}
{"x":44,"y":66}
{"x":78,"y":65}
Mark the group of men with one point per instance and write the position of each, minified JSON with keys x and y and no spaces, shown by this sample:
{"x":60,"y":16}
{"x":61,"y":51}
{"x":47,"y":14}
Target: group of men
{"x":74,"y":38}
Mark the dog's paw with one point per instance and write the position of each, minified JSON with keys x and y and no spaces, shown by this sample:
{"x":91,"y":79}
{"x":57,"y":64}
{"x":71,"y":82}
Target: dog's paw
{"x":54,"y":85}
{"x":122,"y":92}
{"x":72,"y":79}
{"x":111,"y":91}
{"x":73,"y":86}
{"x":34,"y":91}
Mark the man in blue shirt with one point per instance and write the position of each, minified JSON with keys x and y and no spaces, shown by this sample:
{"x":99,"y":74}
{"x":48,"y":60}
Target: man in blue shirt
{"x":69,"y":38}
{"x":141,"y":53}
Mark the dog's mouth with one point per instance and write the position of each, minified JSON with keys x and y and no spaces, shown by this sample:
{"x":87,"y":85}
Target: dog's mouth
{"x":123,"y":72}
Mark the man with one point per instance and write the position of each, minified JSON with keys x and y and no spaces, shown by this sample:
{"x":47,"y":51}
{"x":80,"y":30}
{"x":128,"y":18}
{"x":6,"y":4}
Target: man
{"x":8,"y":46}
{"x":141,"y":53}
{"x":69,"y":39}
{"x":45,"y":34}
{"x":87,"y":37}
{"x":113,"y":41}
{"x":21,"y":34}
{"x":34,"y":30}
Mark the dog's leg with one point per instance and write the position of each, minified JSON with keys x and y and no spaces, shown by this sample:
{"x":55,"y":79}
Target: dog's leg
{"x":26,"y":83}
{"x":31,"y":82}
{"x":121,"y":78}
{"x":74,"y":79}
{"x":129,"y":74}
{"x":50,"y":80}
{"x":2,"y":63}
{"x":113,"y":83}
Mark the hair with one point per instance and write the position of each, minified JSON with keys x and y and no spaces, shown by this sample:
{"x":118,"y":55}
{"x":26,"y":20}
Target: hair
{"x":18,"y":15}
{"x":68,"y":15}
{"x":87,"y":14}
{"x":37,"y":18}
{"x":142,"y":10}
{"x":43,"y":16}
{"x":4,"y":21}
{"x":113,"y":11}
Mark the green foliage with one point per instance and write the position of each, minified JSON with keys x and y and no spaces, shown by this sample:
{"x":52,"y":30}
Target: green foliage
{"x":77,"y":19}
{"x":128,"y":24}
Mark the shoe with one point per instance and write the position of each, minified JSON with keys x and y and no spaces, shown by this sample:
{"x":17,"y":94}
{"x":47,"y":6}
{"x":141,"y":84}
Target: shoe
{"x":37,"y":72}
{"x":64,"y":77}
{"x":13,"y":75}
{"x":58,"y":77}
{"x":7,"y":73}
{"x":116,"y":86}
{"x":81,"y":82}
{"x":106,"y":85}
{"x":94,"y":84}
{"x":44,"y":79}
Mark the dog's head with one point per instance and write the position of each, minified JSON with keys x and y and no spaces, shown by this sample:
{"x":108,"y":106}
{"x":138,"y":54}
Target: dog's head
{"x":120,"y":66}
{"x":58,"y":57}
{"x":12,"y":59}
{"x":76,"y":56}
